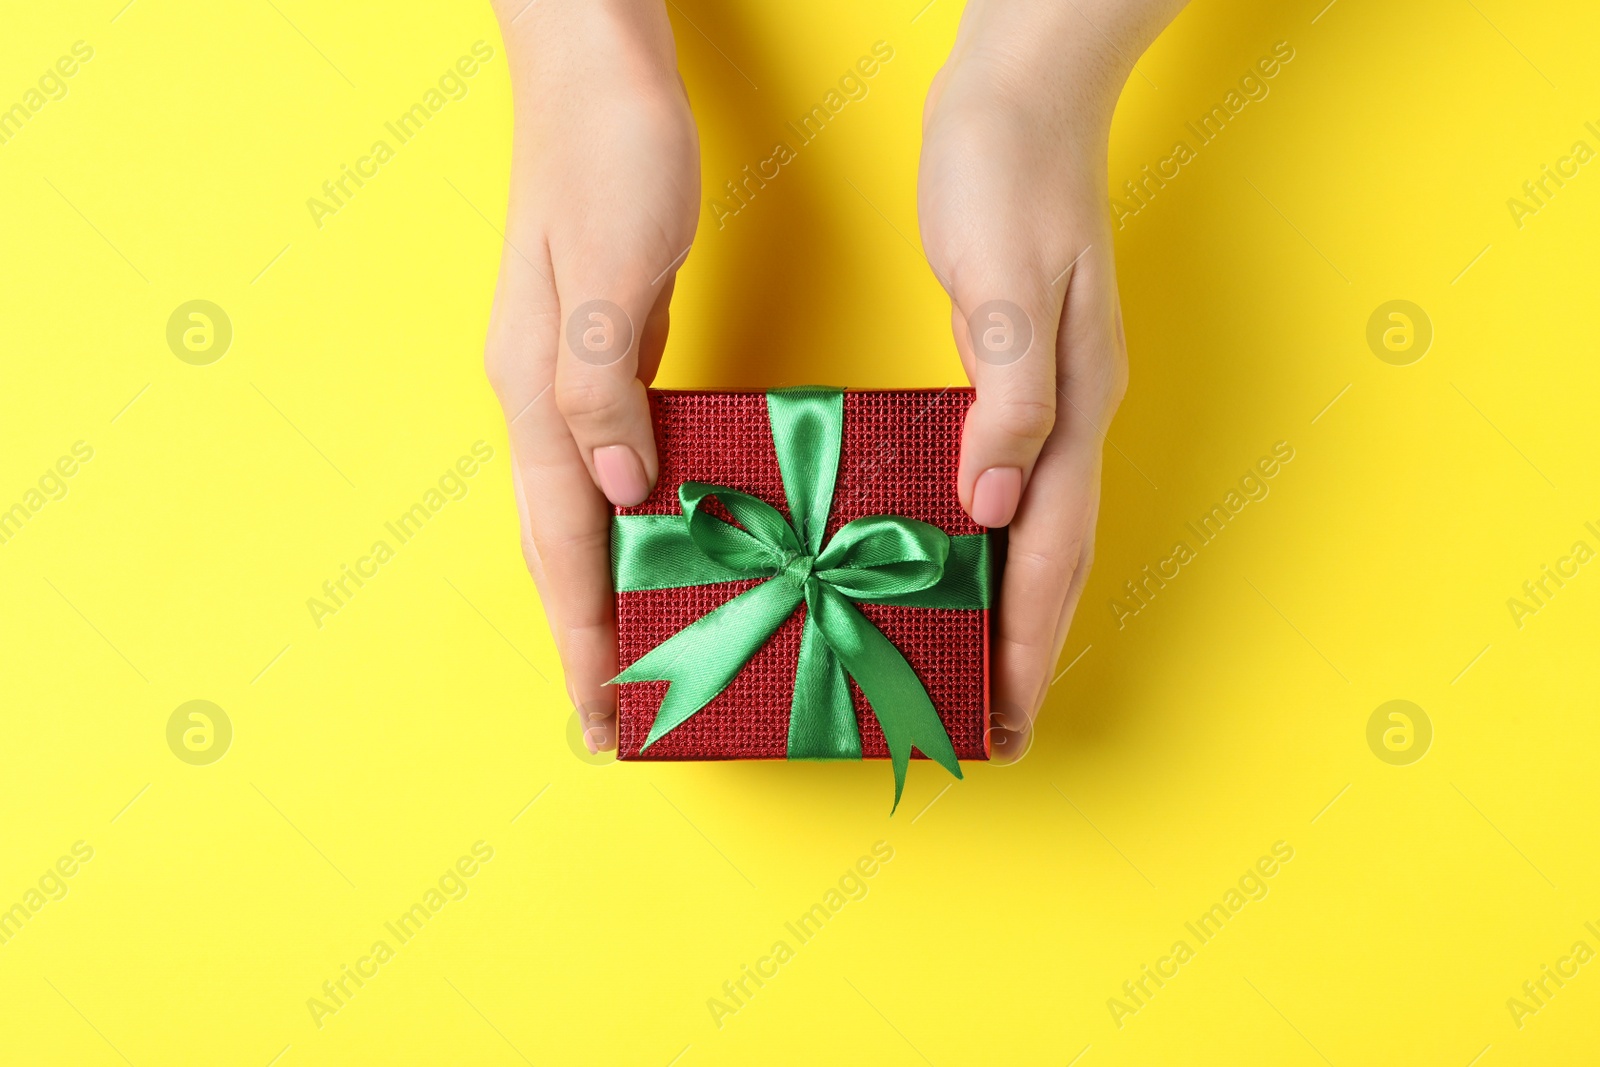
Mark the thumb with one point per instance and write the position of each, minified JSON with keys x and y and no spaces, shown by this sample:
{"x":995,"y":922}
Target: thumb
{"x":607,"y":345}
{"x":1005,"y":324}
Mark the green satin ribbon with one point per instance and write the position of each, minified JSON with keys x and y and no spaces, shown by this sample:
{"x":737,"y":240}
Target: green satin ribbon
{"x":881,"y":559}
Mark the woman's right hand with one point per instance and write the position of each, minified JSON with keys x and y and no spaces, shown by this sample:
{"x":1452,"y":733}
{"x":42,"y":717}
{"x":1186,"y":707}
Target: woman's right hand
{"x":604,"y":199}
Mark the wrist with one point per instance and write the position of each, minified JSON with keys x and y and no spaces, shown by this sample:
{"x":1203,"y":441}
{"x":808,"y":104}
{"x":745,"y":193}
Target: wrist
{"x":1071,"y":58}
{"x":622,"y":44}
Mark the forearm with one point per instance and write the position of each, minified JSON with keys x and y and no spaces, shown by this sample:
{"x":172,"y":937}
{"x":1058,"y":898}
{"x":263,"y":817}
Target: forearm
{"x":1077,"y":55}
{"x":557,"y":44}
{"x":596,"y":95}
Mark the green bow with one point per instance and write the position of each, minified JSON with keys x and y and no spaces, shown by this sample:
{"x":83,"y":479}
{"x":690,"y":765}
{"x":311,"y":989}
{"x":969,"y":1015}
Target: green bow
{"x":881,"y":559}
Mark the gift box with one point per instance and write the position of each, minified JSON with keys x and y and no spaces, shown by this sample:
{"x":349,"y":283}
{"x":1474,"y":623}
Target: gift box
{"x":803,"y":583}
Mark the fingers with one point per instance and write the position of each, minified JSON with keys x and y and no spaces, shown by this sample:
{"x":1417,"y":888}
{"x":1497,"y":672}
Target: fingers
{"x":1011,"y":722}
{"x":1005,"y":326}
{"x":613,"y":326}
{"x":1093,"y":392}
{"x":570,"y":525}
{"x":566,"y":520}
{"x":1080,"y":578}
{"x":1051,"y":539}
{"x":1046,"y":545}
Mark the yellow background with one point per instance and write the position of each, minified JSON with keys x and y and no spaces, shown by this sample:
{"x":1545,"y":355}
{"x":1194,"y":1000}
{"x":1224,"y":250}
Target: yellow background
{"x":1231,"y":713}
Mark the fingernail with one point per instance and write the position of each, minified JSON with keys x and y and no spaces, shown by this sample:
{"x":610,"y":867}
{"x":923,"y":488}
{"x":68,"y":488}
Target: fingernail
{"x":600,"y":736}
{"x":1007,"y":747}
{"x":621,"y":475}
{"x":996,"y":495}
{"x":1010,"y":732}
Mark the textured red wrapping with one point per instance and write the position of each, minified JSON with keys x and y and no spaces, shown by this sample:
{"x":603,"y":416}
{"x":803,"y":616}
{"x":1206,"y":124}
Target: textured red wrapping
{"x":899,"y":457}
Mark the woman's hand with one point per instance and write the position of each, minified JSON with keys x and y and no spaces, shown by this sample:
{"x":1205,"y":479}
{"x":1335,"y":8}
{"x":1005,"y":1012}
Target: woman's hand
{"x":1012,"y":204}
{"x":605,"y":189}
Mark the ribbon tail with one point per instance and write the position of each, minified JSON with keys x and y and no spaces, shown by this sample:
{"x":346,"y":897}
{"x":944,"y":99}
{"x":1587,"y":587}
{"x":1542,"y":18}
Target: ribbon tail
{"x":896,"y":694}
{"x":703,"y":657}
{"x":822,"y":717}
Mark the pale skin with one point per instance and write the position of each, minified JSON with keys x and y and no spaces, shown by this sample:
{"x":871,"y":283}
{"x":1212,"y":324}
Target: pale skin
{"x":604,"y":201}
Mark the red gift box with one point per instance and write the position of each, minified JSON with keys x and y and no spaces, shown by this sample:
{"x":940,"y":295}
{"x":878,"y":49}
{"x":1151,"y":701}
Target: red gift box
{"x":899,"y":456}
